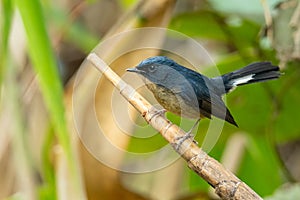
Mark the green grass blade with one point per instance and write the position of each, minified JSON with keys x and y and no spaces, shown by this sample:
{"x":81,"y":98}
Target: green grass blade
{"x":44,"y":64}
{"x":6,"y":17}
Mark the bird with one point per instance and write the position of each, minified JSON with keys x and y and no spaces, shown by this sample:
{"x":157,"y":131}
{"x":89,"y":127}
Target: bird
{"x":189,"y":94}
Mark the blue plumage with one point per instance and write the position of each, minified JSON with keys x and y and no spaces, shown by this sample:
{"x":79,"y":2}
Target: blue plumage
{"x":188,"y":93}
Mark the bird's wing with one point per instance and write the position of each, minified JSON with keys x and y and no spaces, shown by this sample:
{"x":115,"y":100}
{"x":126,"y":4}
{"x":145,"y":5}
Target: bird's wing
{"x":216,"y":107}
{"x":210,"y":103}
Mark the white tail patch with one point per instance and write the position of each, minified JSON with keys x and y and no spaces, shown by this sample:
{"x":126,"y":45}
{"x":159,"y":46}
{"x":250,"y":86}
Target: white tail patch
{"x":242,"y":80}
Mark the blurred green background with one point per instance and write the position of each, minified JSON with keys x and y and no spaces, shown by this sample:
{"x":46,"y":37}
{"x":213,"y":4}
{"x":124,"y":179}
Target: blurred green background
{"x":44,"y":42}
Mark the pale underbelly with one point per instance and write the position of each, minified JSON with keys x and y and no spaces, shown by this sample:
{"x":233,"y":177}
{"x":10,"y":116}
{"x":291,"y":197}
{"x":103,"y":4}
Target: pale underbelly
{"x":174,"y":103}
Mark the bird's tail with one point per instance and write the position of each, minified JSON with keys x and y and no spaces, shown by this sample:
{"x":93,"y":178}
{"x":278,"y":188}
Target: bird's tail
{"x":255,"y":72}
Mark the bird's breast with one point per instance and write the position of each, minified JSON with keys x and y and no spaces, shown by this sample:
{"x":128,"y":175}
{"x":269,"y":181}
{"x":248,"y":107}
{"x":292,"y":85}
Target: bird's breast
{"x":174,"y":101}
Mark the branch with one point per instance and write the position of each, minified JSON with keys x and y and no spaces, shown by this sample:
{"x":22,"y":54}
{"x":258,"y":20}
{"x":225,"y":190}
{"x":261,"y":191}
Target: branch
{"x":226,"y":184}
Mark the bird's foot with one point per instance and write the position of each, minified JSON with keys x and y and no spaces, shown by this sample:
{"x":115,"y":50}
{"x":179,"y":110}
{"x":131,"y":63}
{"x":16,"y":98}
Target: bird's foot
{"x":181,"y":139}
{"x":188,"y":135}
{"x":157,"y":112}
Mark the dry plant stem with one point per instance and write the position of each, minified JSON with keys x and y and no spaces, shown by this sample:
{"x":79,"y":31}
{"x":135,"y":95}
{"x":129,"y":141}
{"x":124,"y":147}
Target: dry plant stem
{"x":296,"y":35}
{"x":268,"y":19}
{"x":226,"y":184}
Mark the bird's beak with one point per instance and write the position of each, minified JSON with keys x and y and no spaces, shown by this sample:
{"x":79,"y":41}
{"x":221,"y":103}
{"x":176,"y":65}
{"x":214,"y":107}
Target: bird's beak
{"x":135,"y":70}
{"x":131,"y":70}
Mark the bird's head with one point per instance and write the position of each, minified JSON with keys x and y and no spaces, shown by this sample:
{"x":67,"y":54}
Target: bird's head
{"x":155,"y":69}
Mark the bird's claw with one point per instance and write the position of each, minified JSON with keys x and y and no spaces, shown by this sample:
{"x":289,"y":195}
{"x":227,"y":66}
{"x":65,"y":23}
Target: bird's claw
{"x":157,"y":112}
{"x":181,"y":139}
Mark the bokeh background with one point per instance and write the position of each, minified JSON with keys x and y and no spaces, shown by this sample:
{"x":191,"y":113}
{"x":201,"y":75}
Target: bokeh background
{"x":44,"y":42}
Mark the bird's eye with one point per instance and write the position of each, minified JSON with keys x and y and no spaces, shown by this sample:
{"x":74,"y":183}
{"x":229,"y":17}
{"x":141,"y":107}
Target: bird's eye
{"x":152,"y":68}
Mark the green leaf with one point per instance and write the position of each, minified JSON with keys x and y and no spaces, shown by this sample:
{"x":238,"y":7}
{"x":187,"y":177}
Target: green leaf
{"x":142,"y":142}
{"x":202,"y":24}
{"x":243,"y":34}
{"x":260,"y":168}
{"x":286,"y":109}
{"x":286,"y":192}
{"x":73,"y":31}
